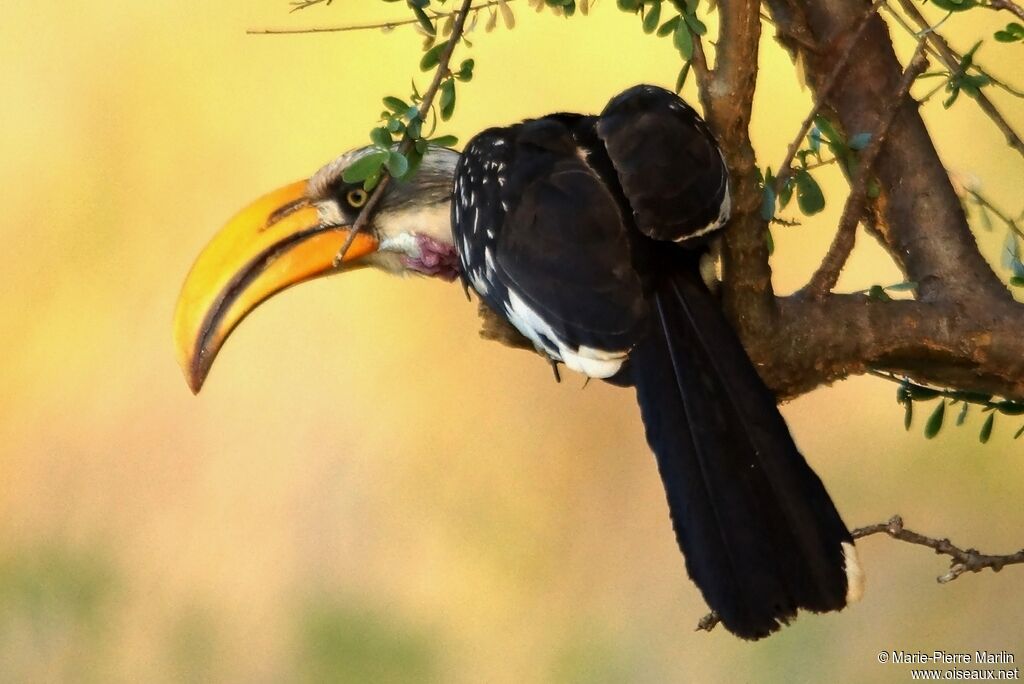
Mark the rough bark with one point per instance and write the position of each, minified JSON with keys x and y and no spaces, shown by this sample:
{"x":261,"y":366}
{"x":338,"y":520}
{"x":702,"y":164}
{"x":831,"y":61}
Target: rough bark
{"x":964,"y":330}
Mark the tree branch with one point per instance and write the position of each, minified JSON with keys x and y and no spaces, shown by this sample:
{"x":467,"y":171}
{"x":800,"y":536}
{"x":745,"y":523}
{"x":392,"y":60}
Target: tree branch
{"x":951,"y":60}
{"x":920,"y":220}
{"x":1008,"y":6}
{"x":827,"y":274}
{"x":407,"y":141}
{"x":727,"y":94}
{"x":383,"y":25}
{"x":963,"y":560}
{"x":785,"y":168}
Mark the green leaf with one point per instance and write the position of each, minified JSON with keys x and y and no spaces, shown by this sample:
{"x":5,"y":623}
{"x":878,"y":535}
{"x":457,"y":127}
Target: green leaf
{"x":652,"y":17}
{"x":444,"y":141}
{"x":669,"y":26}
{"x":381,"y":137}
{"x":954,"y":92}
{"x":1012,"y":33}
{"x":908,"y":414}
{"x":1010,"y":408}
{"x":465,"y":72}
{"x":395,"y":125}
{"x":1019,"y":432}
{"x":447,"y":101}
{"x":934,"y":423}
{"x":696,"y":24}
{"x":986,"y":429}
{"x":395,"y":104}
{"x":414,"y":127}
{"x":432,"y":56}
{"x":878,"y":292}
{"x":828,"y":130}
{"x":963,"y":414}
{"x":424,"y":20}
{"x":808,"y":194}
{"x":920,"y":393}
{"x":364,"y":167}
{"x":786,"y":193}
{"x":397,"y":164}
{"x":770,"y":240}
{"x":1017,"y":281}
{"x":954,"y":5}
{"x":814,"y":138}
{"x":768,"y":196}
{"x":902,"y":287}
{"x":371,"y":181}
{"x":681,"y":78}
{"x":683,"y":40}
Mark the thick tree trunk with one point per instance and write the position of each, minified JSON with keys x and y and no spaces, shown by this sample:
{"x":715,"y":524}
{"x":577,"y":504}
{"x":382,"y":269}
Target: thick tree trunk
{"x":964,"y":329}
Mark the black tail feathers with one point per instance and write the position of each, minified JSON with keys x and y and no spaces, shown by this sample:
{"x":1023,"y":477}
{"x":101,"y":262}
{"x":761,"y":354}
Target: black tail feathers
{"x":760,"y":534}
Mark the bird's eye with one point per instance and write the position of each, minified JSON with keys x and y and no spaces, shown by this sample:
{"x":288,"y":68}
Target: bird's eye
{"x":356,"y":198}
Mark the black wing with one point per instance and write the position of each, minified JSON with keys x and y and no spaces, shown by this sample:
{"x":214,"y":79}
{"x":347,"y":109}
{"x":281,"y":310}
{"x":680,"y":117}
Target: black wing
{"x":541,"y":237}
{"x":668,"y":164}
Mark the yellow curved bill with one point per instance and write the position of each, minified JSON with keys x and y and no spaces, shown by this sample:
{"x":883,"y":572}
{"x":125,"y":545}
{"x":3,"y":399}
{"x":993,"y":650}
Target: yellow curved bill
{"x":274,"y":243}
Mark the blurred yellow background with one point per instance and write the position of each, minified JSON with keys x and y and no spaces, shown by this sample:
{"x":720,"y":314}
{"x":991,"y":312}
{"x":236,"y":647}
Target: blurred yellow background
{"x":365,"y":491}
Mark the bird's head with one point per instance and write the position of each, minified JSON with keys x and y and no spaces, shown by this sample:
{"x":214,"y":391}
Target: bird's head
{"x":295,"y":233}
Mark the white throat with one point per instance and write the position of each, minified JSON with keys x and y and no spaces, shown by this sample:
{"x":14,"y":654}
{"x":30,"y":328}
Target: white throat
{"x":396,"y":230}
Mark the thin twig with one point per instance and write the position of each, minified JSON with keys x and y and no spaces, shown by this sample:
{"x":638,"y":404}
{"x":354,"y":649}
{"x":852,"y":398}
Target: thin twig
{"x":824,"y":90}
{"x":1001,"y":215}
{"x":956,"y":55}
{"x":1011,"y":7}
{"x":917,"y":392}
{"x":827,"y":274}
{"x":407,"y":141}
{"x":700,"y":67}
{"x":303,"y":4}
{"x":951,"y":59}
{"x":383,"y":25}
{"x":963,"y":560}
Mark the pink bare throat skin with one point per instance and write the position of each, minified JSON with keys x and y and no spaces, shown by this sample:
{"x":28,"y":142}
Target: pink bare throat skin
{"x":436,"y":259}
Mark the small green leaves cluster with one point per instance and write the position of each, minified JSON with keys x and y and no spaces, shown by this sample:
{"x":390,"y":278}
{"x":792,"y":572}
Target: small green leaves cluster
{"x":910,"y":392}
{"x":1013,"y":33}
{"x":682,"y":27}
{"x":403,"y":120}
{"x":399,"y":119}
{"x":822,"y":137}
{"x":963,"y":81}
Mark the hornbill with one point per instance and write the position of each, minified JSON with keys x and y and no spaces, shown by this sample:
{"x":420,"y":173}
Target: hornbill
{"x":588,"y":235}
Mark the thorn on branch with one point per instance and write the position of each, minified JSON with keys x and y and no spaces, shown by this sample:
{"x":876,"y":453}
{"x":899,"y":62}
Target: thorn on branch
{"x":963,"y":560}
